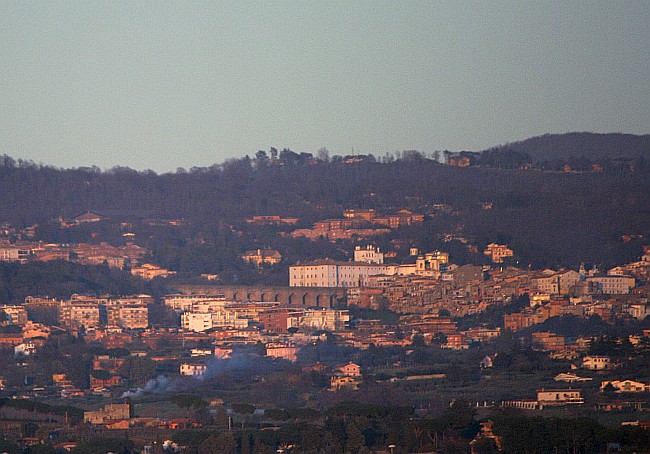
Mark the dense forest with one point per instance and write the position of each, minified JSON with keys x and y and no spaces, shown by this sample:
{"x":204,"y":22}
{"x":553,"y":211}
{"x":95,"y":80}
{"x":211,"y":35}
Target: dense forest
{"x":548,"y":218}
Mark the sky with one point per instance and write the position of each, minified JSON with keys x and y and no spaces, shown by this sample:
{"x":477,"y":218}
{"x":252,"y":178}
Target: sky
{"x":165,"y":84}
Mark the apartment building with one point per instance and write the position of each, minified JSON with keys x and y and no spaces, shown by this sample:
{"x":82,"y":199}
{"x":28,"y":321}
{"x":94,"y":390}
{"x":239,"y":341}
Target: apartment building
{"x":611,"y":285}
{"x":77,"y":314}
{"x":203,"y":321}
{"x":15,"y":315}
{"x":553,"y":283}
{"x":182,"y":303}
{"x":133,"y":316}
{"x":12,"y":253}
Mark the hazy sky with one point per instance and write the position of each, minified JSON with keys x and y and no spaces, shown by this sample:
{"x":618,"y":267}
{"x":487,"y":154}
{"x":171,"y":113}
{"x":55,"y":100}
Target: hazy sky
{"x":165,"y":84}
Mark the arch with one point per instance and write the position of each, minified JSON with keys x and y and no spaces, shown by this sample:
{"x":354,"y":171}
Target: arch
{"x":290,"y":299}
{"x":276,"y":297}
{"x":248,"y":296}
{"x":234,"y":295}
{"x":304,"y":299}
{"x":333,"y":300}
{"x":262,"y":296}
{"x":317,"y":300}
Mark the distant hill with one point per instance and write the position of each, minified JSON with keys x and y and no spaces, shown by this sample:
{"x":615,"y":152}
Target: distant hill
{"x":550,"y":218}
{"x":583,"y":144}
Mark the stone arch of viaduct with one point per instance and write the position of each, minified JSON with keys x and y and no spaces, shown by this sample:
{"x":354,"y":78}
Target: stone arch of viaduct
{"x":325,"y":297}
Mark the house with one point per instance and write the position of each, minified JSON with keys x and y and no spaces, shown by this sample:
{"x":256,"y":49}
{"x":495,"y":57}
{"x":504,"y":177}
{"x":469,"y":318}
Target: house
{"x":262,"y":256}
{"x":625,"y":386}
{"x":149,"y":271}
{"x":350,"y":369}
{"x":282,"y":350}
{"x":87,"y":217}
{"x":193,"y":370}
{"x":498,"y":252}
{"x":346,"y":376}
{"x":557,"y":397}
{"x":25,"y":349}
{"x":32,"y":330}
{"x":570,"y":378}
{"x":618,"y":404}
{"x":110,"y":413}
{"x":597,"y":363}
{"x":487,"y":362}
{"x":337,"y":382}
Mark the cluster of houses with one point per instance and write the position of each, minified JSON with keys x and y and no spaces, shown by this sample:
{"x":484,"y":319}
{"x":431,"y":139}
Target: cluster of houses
{"x":119,"y":257}
{"x":359,"y":224}
{"x":571,"y":396}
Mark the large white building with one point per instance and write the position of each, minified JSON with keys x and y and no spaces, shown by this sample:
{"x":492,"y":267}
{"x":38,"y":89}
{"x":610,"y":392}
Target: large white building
{"x":332,"y":273}
{"x":367,"y":262}
{"x":182,"y":303}
{"x":10,"y":253}
{"x":329,"y":319}
{"x":369,"y":254}
{"x":202,"y":321}
{"x":612,"y":285}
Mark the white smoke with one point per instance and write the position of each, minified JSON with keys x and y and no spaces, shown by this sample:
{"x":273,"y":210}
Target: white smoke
{"x":155,"y":385}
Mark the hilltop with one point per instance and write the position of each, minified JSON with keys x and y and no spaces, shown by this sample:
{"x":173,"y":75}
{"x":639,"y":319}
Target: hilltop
{"x":550,"y":218}
{"x":590,"y":145}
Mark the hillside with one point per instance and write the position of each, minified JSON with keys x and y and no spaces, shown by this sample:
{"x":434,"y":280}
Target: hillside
{"x":548,"y":218}
{"x":583,"y":144}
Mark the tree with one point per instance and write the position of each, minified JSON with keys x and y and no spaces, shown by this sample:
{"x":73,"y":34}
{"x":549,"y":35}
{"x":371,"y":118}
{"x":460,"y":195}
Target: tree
{"x":354,"y":438}
{"x":138,"y":370}
{"x":188,"y":401}
{"x":261,"y":159}
{"x":243,"y":410}
{"x":105,"y":444}
{"x":223,"y":443}
{"x":8,"y":447}
{"x":323,"y":154}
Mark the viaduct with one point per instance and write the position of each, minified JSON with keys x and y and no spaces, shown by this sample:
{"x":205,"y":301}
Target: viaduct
{"x":326,"y":297}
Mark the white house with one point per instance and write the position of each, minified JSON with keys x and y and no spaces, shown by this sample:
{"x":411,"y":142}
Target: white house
{"x":193,"y":370}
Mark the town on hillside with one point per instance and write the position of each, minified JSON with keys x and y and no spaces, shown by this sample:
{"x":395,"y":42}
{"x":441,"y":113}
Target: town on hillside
{"x":494,"y":336}
{"x":398,"y":317}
